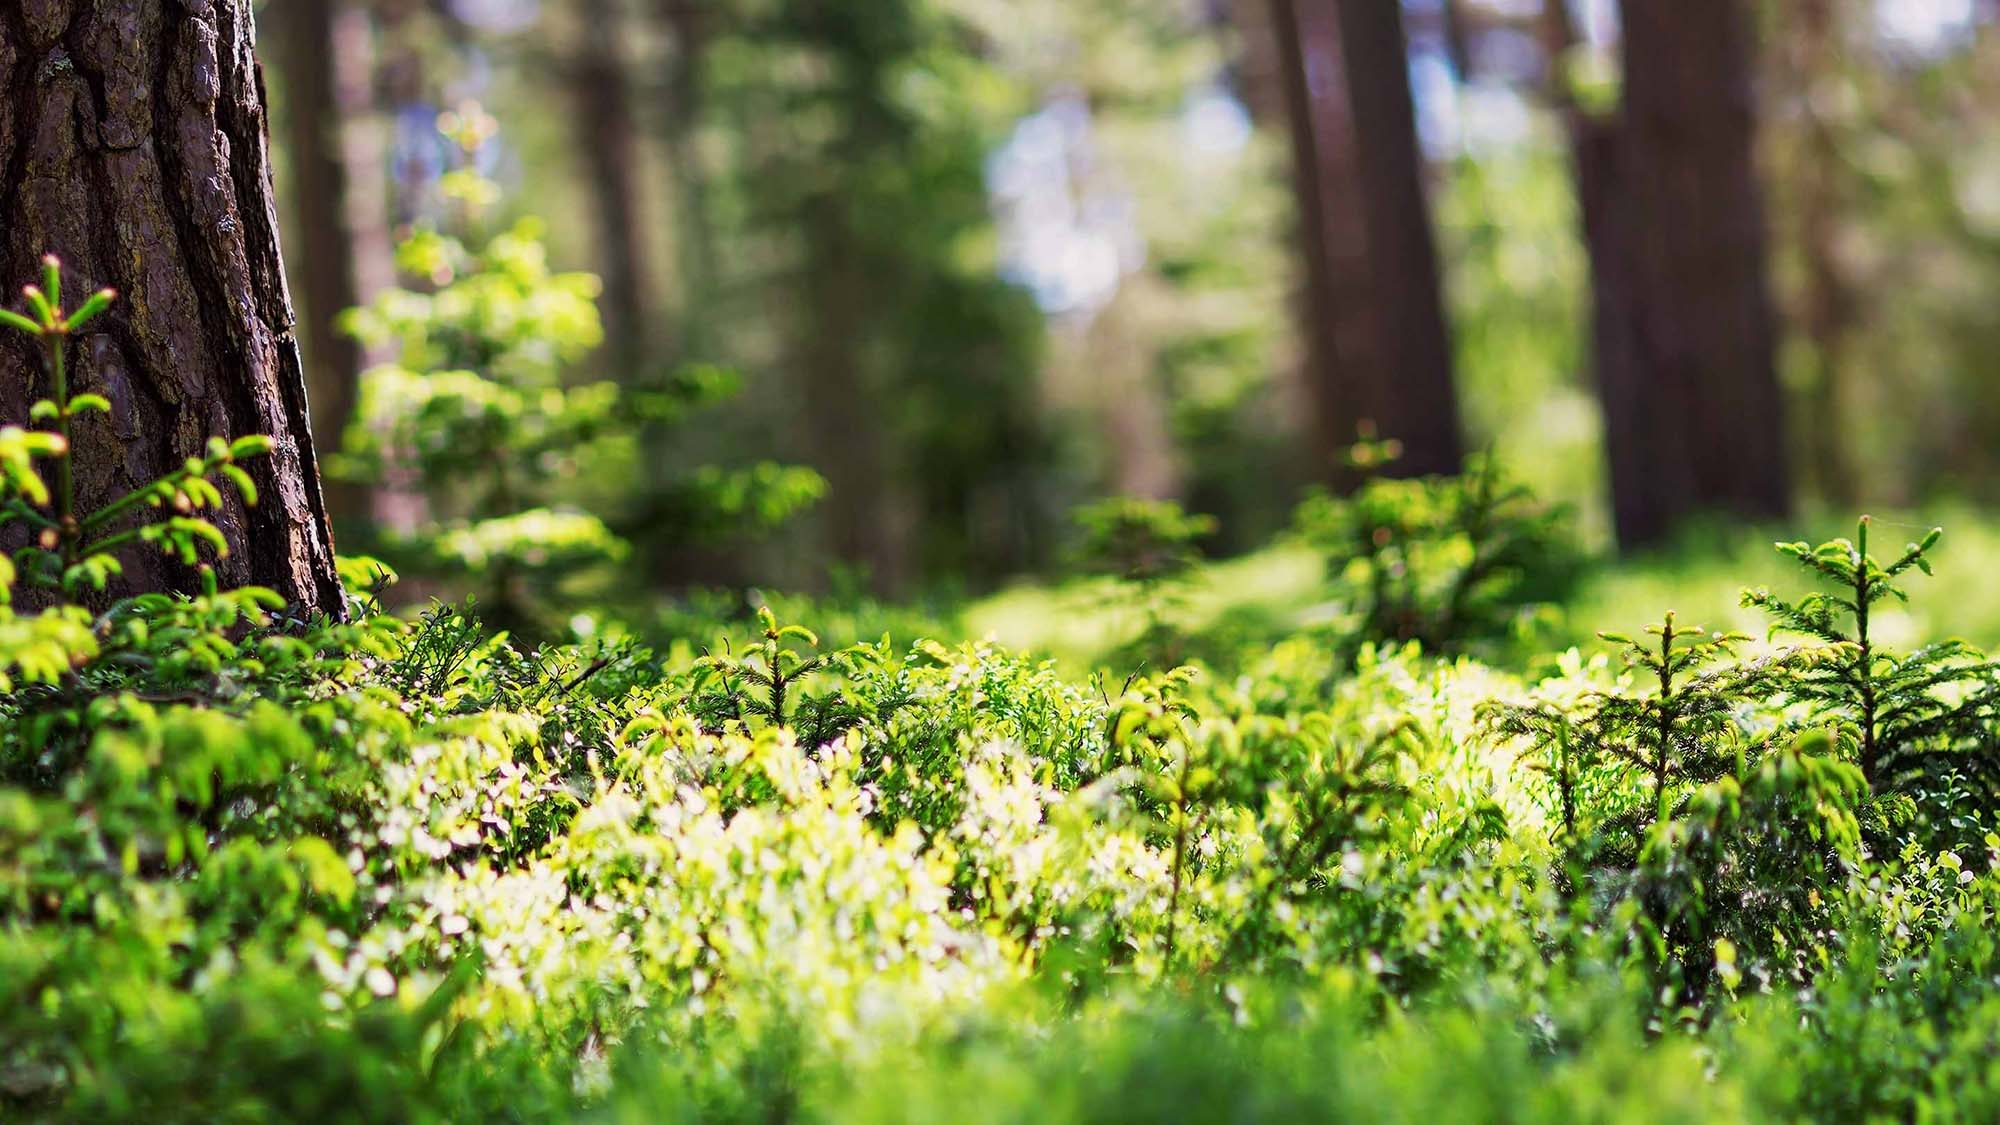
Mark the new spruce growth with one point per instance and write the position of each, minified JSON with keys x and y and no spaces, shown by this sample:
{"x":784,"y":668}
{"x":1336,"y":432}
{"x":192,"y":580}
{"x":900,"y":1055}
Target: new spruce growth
{"x":1899,"y":714}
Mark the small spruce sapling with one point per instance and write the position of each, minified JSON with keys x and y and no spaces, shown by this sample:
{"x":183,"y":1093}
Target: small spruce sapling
{"x":74,"y":552}
{"x":1678,"y":731}
{"x":1684,"y":729}
{"x":1559,"y":746}
{"x":1443,"y":561}
{"x":154,"y":643}
{"x":514,"y":457}
{"x":1896,"y":711}
{"x":764,"y":686}
{"x":1148,"y":547}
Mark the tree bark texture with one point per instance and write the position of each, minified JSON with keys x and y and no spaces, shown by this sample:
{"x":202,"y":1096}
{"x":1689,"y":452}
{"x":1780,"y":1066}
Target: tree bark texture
{"x":1378,"y":348}
{"x":132,"y":144}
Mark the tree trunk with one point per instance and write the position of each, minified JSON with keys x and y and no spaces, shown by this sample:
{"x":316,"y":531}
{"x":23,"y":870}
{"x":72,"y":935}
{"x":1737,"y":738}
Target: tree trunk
{"x":1377,"y":344}
{"x":687,"y":24}
{"x":863,"y":518}
{"x":323,"y":50}
{"x":132,"y":144}
{"x":610,"y":147}
{"x":1827,"y":305}
{"x":1694,"y":423}
{"x":1644,"y":454}
{"x":1457,"y":36}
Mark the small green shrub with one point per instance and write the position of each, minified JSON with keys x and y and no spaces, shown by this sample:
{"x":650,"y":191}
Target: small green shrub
{"x":1448,"y":562}
{"x":479,"y":417}
{"x":1149,"y":549}
{"x":1911,"y":719}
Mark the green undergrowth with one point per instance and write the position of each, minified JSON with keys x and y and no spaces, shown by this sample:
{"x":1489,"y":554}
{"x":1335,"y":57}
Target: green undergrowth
{"x":1335,"y":853}
{"x":1282,"y":589}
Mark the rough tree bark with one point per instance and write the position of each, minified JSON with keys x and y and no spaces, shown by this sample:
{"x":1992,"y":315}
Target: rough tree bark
{"x":1378,"y":349}
{"x":132,"y":144}
{"x":1695,"y":421}
{"x":610,"y":147}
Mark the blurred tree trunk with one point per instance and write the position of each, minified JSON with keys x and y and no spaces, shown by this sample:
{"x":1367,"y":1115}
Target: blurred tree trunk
{"x":1115,"y":357}
{"x":323,"y":51}
{"x":1644,"y":454}
{"x":1826,"y":305}
{"x":688,"y":27}
{"x":862,"y":517}
{"x":132,"y":139}
{"x":1458,"y":38}
{"x":1673,"y":219}
{"x":1378,"y":351}
{"x":609,"y":140}
{"x":1256,"y":73}
{"x":1704,"y":389}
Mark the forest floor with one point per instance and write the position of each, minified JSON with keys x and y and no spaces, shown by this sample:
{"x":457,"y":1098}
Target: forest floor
{"x":1282,"y":588}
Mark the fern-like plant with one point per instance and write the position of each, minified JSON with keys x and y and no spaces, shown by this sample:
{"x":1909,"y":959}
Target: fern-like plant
{"x":764,"y":686}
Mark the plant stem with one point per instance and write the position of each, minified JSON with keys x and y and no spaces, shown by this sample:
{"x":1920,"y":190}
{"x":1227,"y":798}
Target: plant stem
{"x":1866,"y":668}
{"x":1180,"y":850}
{"x":65,"y":484}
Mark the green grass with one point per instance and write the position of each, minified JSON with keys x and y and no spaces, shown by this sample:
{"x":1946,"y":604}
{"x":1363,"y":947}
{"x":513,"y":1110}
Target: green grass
{"x":1701,"y":578}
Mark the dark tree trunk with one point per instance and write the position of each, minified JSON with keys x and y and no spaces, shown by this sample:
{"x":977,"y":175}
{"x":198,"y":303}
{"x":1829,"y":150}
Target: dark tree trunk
{"x":132,"y":144}
{"x":1694,"y":421}
{"x":1256,"y":73}
{"x":322,"y":52}
{"x":687,"y":24}
{"x":610,"y":144}
{"x":1638,"y":447}
{"x":1458,"y":39}
{"x":863,"y":516}
{"x":1378,"y":350}
{"x":1827,"y":306}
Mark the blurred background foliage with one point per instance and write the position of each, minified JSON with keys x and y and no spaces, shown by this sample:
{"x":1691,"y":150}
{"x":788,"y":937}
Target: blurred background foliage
{"x":975,"y":263}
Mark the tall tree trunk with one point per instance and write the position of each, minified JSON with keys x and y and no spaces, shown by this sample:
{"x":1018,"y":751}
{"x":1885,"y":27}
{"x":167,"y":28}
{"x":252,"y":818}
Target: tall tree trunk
{"x":132,"y":144}
{"x":1377,"y":344}
{"x":1826,"y":304}
{"x":1111,"y":353}
{"x":1644,"y":453}
{"x":1696,"y":421}
{"x":1257,"y":75}
{"x":687,"y":24}
{"x":610,"y":144}
{"x":862,"y":516}
{"x":1457,"y":29}
{"x":323,"y":49}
